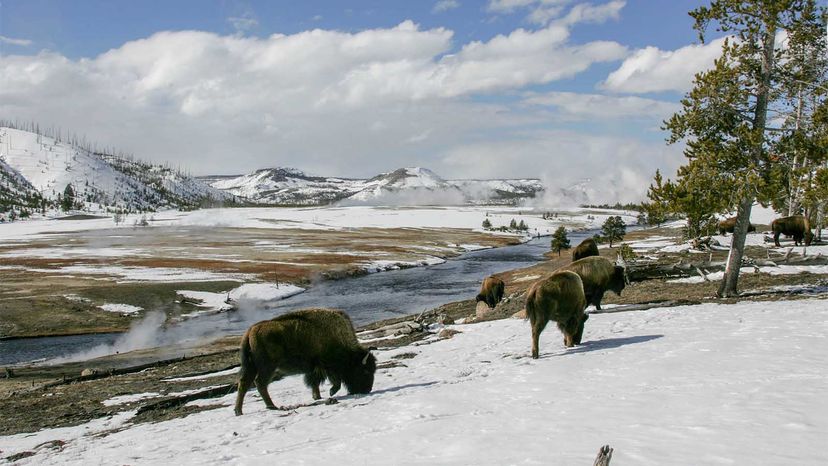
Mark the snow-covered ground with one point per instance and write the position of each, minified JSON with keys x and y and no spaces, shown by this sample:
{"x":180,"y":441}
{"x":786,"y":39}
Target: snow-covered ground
{"x":328,"y":218}
{"x":706,"y":384}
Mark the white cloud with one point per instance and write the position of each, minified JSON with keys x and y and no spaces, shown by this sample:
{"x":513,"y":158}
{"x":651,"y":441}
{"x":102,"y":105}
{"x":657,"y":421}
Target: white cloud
{"x":543,"y":12}
{"x":445,"y":5}
{"x":330,"y":102}
{"x":574,"y":106}
{"x":653,"y":70}
{"x":243,"y":23}
{"x":13,"y":41}
{"x":618,"y":168}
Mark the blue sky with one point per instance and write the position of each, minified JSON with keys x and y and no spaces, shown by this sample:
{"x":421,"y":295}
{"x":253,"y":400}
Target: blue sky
{"x":560,"y":89}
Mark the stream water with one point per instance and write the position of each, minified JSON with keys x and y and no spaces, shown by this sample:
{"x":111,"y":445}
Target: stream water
{"x":366,"y":299}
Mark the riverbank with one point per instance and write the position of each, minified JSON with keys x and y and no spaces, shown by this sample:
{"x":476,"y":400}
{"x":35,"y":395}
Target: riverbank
{"x":37,"y":405}
{"x":90,"y":275}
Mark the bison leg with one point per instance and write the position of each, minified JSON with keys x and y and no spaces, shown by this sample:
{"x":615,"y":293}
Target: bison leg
{"x":537,"y":327}
{"x":313,"y":379}
{"x":596,"y":299}
{"x":245,"y":380}
{"x":776,"y":238}
{"x":262,"y":381}
{"x":336,"y":384}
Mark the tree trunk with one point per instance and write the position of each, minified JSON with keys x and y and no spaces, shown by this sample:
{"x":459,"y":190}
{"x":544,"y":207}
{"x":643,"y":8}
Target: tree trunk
{"x":730,"y":281}
{"x":729,"y":286}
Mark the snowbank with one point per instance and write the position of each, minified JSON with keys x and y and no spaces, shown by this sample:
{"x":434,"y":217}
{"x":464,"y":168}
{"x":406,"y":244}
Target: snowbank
{"x":707,"y":384}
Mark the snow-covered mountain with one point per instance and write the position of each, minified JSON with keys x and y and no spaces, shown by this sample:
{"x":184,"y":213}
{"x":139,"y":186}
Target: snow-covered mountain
{"x":404,"y":186}
{"x":30,"y":162}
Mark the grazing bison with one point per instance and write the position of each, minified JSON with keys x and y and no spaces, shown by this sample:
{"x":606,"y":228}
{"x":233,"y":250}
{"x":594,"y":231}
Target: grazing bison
{"x":491,"y":291}
{"x":586,"y":248}
{"x":598,"y":275}
{"x":319,"y":343}
{"x":560,"y":297}
{"x":796,"y":226}
{"x":729,"y":224}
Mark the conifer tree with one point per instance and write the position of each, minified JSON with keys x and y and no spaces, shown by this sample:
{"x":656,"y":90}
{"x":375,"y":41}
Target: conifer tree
{"x":724,"y":117}
{"x":613,"y":229}
{"x":560,"y":241}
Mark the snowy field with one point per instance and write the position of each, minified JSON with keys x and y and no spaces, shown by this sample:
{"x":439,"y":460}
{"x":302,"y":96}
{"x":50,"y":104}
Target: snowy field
{"x":325,"y":218}
{"x":706,"y":384}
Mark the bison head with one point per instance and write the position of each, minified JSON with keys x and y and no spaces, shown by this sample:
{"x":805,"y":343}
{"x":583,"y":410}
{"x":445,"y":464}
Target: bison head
{"x":579,"y":333}
{"x":360,"y":376}
{"x":619,"y":280}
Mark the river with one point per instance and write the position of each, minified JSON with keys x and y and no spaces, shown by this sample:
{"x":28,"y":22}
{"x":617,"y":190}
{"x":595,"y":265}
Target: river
{"x":366,"y":299}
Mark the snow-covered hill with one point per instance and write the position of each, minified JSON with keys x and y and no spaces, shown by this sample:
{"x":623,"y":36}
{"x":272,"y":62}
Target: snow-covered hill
{"x":706,"y":384}
{"x":404,"y":186}
{"x":48,"y":166}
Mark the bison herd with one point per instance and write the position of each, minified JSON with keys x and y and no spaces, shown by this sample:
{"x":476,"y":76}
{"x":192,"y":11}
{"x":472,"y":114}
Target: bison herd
{"x":322,"y":343}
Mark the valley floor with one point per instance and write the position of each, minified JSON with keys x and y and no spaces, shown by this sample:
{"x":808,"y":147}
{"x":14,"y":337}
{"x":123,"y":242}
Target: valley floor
{"x":707,"y":384}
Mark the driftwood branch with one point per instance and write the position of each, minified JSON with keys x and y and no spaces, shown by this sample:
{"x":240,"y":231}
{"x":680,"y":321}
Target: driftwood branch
{"x":604,"y":456}
{"x":184,"y":399}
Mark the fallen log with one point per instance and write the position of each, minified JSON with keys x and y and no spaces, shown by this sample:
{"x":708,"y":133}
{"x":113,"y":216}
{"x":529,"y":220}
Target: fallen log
{"x":184,"y":399}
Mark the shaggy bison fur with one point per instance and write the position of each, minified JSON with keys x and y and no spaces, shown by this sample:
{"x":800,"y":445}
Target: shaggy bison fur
{"x":491,"y":291}
{"x":586,"y":248}
{"x":598,"y":275}
{"x":729,"y":224}
{"x":320,"y":343}
{"x":560,"y":297}
{"x":796,"y":226}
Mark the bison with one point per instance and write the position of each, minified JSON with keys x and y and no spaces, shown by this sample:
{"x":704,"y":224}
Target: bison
{"x":491,"y":291}
{"x":729,"y":224}
{"x":586,"y":248}
{"x":598,"y":275}
{"x":319,"y":343}
{"x":797,"y":226}
{"x":560,"y":297}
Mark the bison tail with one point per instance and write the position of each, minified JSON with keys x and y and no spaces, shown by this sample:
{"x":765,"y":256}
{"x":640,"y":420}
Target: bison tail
{"x":247,"y":363}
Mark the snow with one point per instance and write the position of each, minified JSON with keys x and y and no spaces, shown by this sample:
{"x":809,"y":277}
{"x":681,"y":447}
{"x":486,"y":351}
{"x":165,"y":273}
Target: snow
{"x":124,"y":399}
{"x":705,"y":384}
{"x":249,"y":292}
{"x":49,"y":166}
{"x":383,"y":265}
{"x":126,"y":309}
{"x":204,"y":376}
{"x":405,"y":186}
{"x":778,"y":270}
{"x":129,"y":274}
{"x":328,"y":218}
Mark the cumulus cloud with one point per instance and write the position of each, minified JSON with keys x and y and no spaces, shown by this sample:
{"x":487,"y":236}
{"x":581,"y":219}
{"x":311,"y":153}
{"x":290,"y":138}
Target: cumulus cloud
{"x":653,"y":70}
{"x":329,"y":102}
{"x":445,"y":5}
{"x":13,"y":41}
{"x":574,"y":106}
{"x":603,"y":168}
{"x":243,"y":23}
{"x":543,"y":12}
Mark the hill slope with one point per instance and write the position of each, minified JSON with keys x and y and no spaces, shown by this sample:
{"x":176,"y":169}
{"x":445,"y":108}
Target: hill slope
{"x":48,"y":166}
{"x":404,"y":186}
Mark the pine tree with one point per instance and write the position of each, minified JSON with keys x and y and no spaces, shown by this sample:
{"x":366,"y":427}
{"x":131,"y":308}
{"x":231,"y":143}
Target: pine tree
{"x":724,"y":117}
{"x":613,"y":229}
{"x":513,"y":225}
{"x":486,"y":224}
{"x":68,"y":199}
{"x":522,"y":226}
{"x":560,"y":241}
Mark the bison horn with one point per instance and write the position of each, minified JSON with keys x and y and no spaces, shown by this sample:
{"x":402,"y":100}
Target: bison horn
{"x":365,"y":359}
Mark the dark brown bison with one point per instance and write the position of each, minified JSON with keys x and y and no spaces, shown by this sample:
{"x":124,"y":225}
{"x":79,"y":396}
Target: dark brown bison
{"x":319,"y":343}
{"x":598,"y":275}
{"x":729,"y":224}
{"x":796,"y":226}
{"x":491,"y":291}
{"x":586,"y":248}
{"x":560,"y":297}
